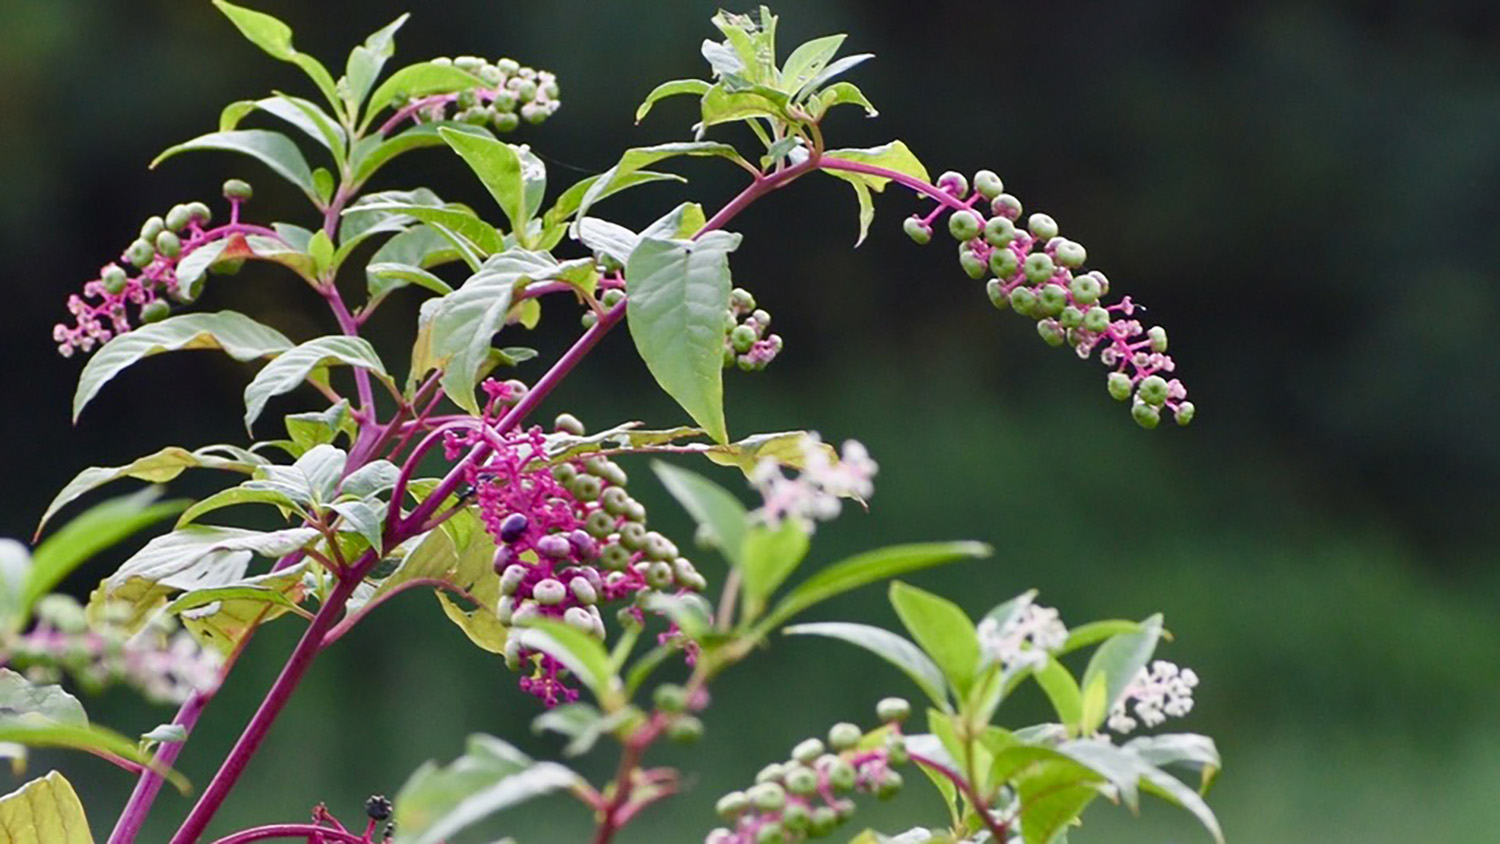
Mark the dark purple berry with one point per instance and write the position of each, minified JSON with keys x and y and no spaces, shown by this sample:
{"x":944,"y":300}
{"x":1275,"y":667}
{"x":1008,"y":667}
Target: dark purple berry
{"x":513,"y":526}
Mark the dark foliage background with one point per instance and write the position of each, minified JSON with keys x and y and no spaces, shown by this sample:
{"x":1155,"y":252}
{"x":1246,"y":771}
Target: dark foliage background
{"x":1305,"y":194}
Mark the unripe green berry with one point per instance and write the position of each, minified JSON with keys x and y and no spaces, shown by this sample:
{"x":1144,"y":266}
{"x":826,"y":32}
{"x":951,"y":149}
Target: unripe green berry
{"x":999,"y":231}
{"x":796,"y":817}
{"x":599,"y":524}
{"x":972,"y":266}
{"x":771,"y":773}
{"x":893,"y":710}
{"x":524,"y":88}
{"x":844,"y":735}
{"x":732,"y":805}
{"x":586,"y":487}
{"x":612,"y":297}
{"x":238,"y":189}
{"x":988,"y":183}
{"x":996,"y":292}
{"x":742,"y":338}
{"x":822,"y":821}
{"x":549,"y":592}
{"x":801,"y":780}
{"x":568,"y":424}
{"x":155,"y":312}
{"x":841,"y":776}
{"x":954,"y":183}
{"x":1042,"y":227}
{"x":588,"y":320}
{"x":685,"y":729}
{"x":579,"y":619}
{"x":1158,"y":336}
{"x":670,"y":697}
{"x":1153,"y":390}
{"x":659,"y":575}
{"x":1004,"y":263}
{"x":615,"y":501}
{"x":1022,"y":300}
{"x":1071,"y":254}
{"x":918,"y":231}
{"x":565,"y":473}
{"x":762,"y":318}
{"x":808,"y":750}
{"x":1052,"y":332}
{"x":1070,"y":317}
{"x":896,"y":753}
{"x":635,"y":511}
{"x":1120,"y":386}
{"x":1051,"y":299}
{"x":1039,"y":267}
{"x":742,"y":300}
{"x":770,"y":832}
{"x":963,"y":225}
{"x":889,"y":785}
{"x":1145,"y":415}
{"x":1184,"y":413}
{"x":168,"y":244}
{"x":767,"y":796}
{"x":199,"y":213}
{"x":140,"y":253}
{"x":1006,"y":206}
{"x":178,"y":218}
{"x":152,"y":227}
{"x":583,"y":590}
{"x":535,"y":113}
{"x":1085,"y":289}
{"x":1096,"y":319}
{"x":114,"y":279}
{"x":506,"y":121}
{"x":659,"y":547}
{"x":633,"y":536}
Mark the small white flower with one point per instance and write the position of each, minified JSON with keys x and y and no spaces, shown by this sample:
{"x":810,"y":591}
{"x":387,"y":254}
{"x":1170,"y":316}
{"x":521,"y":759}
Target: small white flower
{"x":814,"y":495}
{"x":1026,"y":639}
{"x":1162,"y":692}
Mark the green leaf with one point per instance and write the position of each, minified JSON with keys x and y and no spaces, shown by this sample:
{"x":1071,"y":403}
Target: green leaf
{"x":418,"y":80}
{"x":194,"y":266}
{"x":840,"y":93}
{"x":435,"y":803}
{"x":670,"y":89}
{"x":1115,"y":664}
{"x":718,"y":513}
{"x":1062,"y":690}
{"x":580,"y":653}
{"x":456,"y":218}
{"x":273,"y":149}
{"x":369,"y":480}
{"x":568,"y":204}
{"x":889,"y":647}
{"x":868,"y":567}
{"x":513,"y":176}
{"x":606,"y":238}
{"x":241,"y":337}
{"x":808,"y":60}
{"x":788,"y":448}
{"x":374,"y":152}
{"x":460,"y":553}
{"x":1052,"y":788}
{"x":679,"y":291}
{"x":1127,"y":771}
{"x":365,"y":62}
{"x":155,"y":468}
{"x":581,"y":723}
{"x":723,"y":105}
{"x":21,"y":700}
{"x":769,"y":558}
{"x":465,"y":321}
{"x":220,"y":618}
{"x":480,"y":624}
{"x":385,"y":276}
{"x":891,"y":156}
{"x":44,"y":810}
{"x":275,"y":38}
{"x":292,"y":367}
{"x":1171,"y":789}
{"x":1196,"y":753}
{"x":97,"y":528}
{"x":319,"y":427}
{"x":1096,"y":631}
{"x":942,"y":629}
{"x":639,"y":158}
{"x":306,"y":116}
{"x":234,"y":496}
{"x":835,"y":69}
{"x":365,"y":518}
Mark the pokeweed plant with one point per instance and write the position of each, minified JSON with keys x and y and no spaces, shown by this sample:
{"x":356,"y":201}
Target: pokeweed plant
{"x":529,"y":535}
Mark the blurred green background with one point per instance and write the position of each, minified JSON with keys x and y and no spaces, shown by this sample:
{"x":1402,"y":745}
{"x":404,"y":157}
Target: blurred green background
{"x":1305,"y":194}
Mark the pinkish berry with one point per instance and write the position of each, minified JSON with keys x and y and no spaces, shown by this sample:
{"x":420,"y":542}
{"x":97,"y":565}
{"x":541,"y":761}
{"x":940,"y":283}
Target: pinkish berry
{"x":919,"y":232}
{"x":954,"y":183}
{"x":553,"y":546}
{"x":585,"y":548}
{"x":1006,"y":206}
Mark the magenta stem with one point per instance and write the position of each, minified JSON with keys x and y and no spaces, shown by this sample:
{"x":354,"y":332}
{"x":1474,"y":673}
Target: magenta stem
{"x":305,"y":831}
{"x":149,"y":784}
{"x":997,"y":829}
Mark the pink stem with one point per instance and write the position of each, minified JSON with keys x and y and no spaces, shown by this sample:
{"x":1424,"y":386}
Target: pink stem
{"x":306,"y":831}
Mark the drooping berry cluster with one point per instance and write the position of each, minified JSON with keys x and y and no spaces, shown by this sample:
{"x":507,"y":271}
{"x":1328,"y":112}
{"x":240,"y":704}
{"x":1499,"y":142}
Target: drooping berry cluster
{"x":507,"y":94}
{"x":1038,"y":273}
{"x":570,"y":538}
{"x":100,"y":313}
{"x":746,"y":341}
{"x":808,"y":795}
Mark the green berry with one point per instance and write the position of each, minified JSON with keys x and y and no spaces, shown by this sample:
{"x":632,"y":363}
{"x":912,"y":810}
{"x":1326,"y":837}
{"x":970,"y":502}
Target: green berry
{"x":1184,"y":413}
{"x":1051,"y":299}
{"x":954,"y":183}
{"x":742,"y":300}
{"x":156,"y":311}
{"x":168,"y":244}
{"x":1006,"y":206}
{"x":238,"y":189}
{"x":178,"y":218}
{"x":770,"y":832}
{"x":659,"y":575}
{"x":1071,"y":254}
{"x":549,"y":592}
{"x":732,"y":805}
{"x":524,"y":88}
{"x":893,"y":710}
{"x":742,"y":338}
{"x":589,"y":319}
{"x":767,"y":796}
{"x":633,"y":535}
{"x":801,"y":780}
{"x":1153,"y":390}
{"x":1158,"y":336}
{"x":635,"y":511}
{"x":1096,"y":319}
{"x":670,"y":697}
{"x":615,"y":501}
{"x":586,"y":487}
{"x":612,"y":297}
{"x":844,"y":735}
{"x":808,"y":750}
{"x":569,"y":424}
{"x":140,"y":253}
{"x":841,"y":776}
{"x":659,"y":547}
{"x":796,"y":817}
{"x":1085,"y":289}
{"x":535,"y":113}
{"x":153,"y":227}
{"x":822,"y":821}
{"x":599,"y":524}
{"x":506,"y":121}
{"x":199,"y":213}
{"x":996,"y":291}
{"x":1042,"y":227}
{"x":988,"y":183}
{"x":771,"y":773}
{"x":1052,"y":332}
{"x":565,"y":473}
{"x":1022,"y":300}
{"x":1039,"y":267}
{"x":685,"y":729}
{"x":114,"y":279}
{"x":963,"y":225}
{"x":1070,"y":317}
{"x":999,"y":231}
{"x":1004,"y":263}
{"x":1120,"y":386}
{"x":918,"y":231}
{"x":896,"y":753}
{"x":972,"y":266}
{"x":889,"y":785}
{"x":1145,"y":415}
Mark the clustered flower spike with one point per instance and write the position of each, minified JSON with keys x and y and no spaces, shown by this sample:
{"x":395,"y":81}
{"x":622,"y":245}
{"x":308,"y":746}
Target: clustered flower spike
{"x":165,"y":242}
{"x":506,"y":94}
{"x":1038,"y":273}
{"x":1025,"y":640}
{"x":161,"y":661}
{"x":746,"y":341}
{"x":807,"y":796}
{"x":1159,"y":693}
{"x":570,"y":537}
{"x":813,"y":496}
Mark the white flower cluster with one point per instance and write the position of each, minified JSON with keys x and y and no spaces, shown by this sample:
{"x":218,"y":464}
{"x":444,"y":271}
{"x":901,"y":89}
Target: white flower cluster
{"x":1164,"y":691}
{"x":813,"y":496}
{"x":1025,"y":640}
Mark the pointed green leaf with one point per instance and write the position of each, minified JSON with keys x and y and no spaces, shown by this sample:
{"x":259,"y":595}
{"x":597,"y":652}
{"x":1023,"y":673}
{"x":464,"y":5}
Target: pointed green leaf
{"x":639,"y":158}
{"x":718,"y":513}
{"x":305,"y":115}
{"x":808,"y":60}
{"x":155,"y":468}
{"x":769,"y":558}
{"x":241,"y":337}
{"x":458,"y":219}
{"x":234,"y":496}
{"x":436,"y":803}
{"x":44,"y":811}
{"x":366,"y":518}
{"x":679,"y":291}
{"x":579,"y":652}
{"x":20,"y":699}
{"x":221,"y":617}
{"x":891,"y":156}
{"x":833,"y":70}
{"x":480,"y":624}
{"x":697,"y":87}
{"x":889,"y":647}
{"x":418,"y":80}
{"x":365,"y":62}
{"x":840,"y":93}
{"x":606,"y":238}
{"x":513,"y":176}
{"x":942,"y":629}
{"x":1194,"y":752}
{"x":194,"y":266}
{"x":275,"y":37}
{"x":273,"y":149}
{"x":721,"y":104}
{"x":1062,"y":690}
{"x":292,"y":367}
